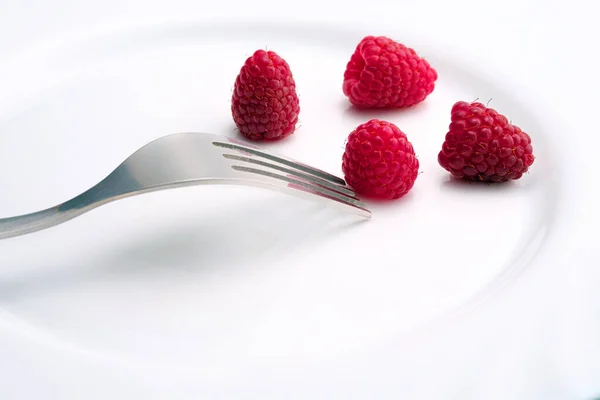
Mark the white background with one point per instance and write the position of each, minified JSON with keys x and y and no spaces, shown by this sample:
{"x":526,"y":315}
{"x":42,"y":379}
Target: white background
{"x":542,"y":340}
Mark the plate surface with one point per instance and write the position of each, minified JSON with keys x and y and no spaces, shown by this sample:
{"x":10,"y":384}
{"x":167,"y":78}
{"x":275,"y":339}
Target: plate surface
{"x":219,"y":280}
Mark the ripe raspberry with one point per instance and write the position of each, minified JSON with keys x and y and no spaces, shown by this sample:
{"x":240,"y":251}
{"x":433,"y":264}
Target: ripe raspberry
{"x":482,"y":145}
{"x":379,"y":161}
{"x":264,"y":104}
{"x":383,"y":73}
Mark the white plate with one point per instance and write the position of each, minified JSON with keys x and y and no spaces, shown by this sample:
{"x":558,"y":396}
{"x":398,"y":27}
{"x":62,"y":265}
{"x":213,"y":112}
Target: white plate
{"x":217,"y":282}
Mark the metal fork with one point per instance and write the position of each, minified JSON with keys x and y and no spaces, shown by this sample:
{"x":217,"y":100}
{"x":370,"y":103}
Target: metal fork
{"x":187,"y":159}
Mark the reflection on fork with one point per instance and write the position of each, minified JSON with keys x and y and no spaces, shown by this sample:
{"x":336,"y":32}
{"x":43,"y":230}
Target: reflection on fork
{"x":187,"y":159}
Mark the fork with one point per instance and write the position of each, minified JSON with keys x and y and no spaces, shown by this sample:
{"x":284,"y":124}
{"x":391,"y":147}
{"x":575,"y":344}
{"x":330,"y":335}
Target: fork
{"x":188,"y":159}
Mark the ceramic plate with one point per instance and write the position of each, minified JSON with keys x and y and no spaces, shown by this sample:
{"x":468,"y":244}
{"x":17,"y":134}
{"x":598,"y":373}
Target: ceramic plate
{"x":216,"y":284}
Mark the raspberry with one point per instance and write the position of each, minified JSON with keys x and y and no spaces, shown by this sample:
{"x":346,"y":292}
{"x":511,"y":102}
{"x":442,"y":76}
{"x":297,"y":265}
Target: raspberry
{"x":264,"y":104}
{"x":379,"y":161}
{"x":383,"y":73}
{"x":481,"y":145}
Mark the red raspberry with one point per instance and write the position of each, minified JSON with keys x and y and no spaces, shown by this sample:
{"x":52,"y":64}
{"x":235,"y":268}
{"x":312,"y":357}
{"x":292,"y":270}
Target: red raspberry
{"x":481,"y":145}
{"x":264,"y":104}
{"x":383,"y":73}
{"x":379,"y":161}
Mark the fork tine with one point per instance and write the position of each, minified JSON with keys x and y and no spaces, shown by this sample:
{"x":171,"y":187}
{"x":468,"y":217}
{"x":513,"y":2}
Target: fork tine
{"x":310,"y":178}
{"x":293,"y":180}
{"x":296,"y":184}
{"x":288,"y":162}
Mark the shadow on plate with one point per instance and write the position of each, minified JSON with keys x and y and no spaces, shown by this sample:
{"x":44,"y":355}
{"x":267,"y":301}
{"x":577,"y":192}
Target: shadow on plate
{"x":382,"y":205}
{"x":383,"y":113}
{"x":271,"y":145}
{"x":457,"y":185}
{"x":233,"y":240}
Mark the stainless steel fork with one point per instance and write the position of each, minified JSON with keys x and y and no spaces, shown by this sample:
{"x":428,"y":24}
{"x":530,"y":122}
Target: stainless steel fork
{"x":186,"y":159}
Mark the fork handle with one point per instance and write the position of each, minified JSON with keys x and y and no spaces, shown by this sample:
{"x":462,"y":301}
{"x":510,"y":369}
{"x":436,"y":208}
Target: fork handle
{"x":37,"y":221}
{"x":28,"y":223}
{"x":118,"y":184}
